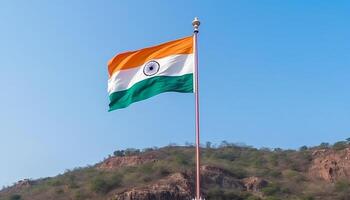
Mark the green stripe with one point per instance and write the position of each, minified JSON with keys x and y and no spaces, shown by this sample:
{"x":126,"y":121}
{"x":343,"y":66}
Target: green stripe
{"x":149,"y":88}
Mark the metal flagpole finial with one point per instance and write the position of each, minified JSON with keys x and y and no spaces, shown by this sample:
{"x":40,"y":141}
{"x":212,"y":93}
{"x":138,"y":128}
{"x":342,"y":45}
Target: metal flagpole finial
{"x":195,"y":24}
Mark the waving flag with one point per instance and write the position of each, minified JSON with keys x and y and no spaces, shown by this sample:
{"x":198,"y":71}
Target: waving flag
{"x":138,"y":75}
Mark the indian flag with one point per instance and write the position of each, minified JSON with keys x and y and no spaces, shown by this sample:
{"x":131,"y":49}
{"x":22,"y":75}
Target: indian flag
{"x":138,"y":75}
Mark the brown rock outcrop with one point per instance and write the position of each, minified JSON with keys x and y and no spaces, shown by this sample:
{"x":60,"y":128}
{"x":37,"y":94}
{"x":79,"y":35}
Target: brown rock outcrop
{"x":219,"y":176}
{"x":25,"y":183}
{"x":330,"y":165}
{"x":175,"y":187}
{"x":125,"y":161}
{"x":180,"y":186}
{"x":254,"y":184}
{"x":20,"y":185}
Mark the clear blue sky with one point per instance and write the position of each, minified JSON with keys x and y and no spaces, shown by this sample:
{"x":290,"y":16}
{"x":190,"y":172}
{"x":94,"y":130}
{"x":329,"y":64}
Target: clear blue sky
{"x":272,"y":74}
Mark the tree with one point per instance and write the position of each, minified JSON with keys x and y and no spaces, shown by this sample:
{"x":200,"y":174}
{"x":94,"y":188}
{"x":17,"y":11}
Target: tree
{"x":303,"y":148}
{"x":172,"y":144}
{"x":340,"y":145}
{"x":224,"y":144}
{"x":324,"y":145}
{"x":189,"y":144}
{"x":131,"y":152}
{"x":278,"y":149}
{"x":119,"y":153}
{"x":266,"y":149}
{"x":348,"y":140}
{"x":208,"y":145}
{"x":147,"y":149}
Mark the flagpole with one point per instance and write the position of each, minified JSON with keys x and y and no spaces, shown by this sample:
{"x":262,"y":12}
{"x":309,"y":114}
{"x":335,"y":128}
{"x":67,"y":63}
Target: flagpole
{"x":195,"y":24}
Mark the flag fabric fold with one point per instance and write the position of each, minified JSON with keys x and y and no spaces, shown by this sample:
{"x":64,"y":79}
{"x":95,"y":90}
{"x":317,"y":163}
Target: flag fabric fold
{"x":138,"y":75}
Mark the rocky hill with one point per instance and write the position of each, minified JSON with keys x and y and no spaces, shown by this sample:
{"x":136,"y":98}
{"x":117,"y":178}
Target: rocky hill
{"x":229,"y":171}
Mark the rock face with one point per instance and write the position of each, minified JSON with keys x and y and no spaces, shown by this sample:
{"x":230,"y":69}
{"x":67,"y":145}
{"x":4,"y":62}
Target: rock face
{"x":254,"y":184}
{"x":218,"y":176}
{"x":25,"y":183}
{"x":180,"y":186}
{"x":125,"y":161}
{"x":330,"y":165}
{"x":20,"y":185}
{"x":175,"y":187}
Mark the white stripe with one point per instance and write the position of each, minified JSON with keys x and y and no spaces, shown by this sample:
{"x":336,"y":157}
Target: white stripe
{"x":174,"y":65}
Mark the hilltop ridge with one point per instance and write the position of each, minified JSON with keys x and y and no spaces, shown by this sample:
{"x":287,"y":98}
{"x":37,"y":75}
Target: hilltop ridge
{"x":229,"y":171}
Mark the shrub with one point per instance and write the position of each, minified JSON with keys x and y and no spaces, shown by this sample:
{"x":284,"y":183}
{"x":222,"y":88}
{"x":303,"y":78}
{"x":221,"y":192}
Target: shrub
{"x":271,"y":189}
{"x":118,"y":153}
{"x":208,"y":145}
{"x":253,"y":198}
{"x":54,"y":182}
{"x":340,"y":145}
{"x":218,"y":194}
{"x":291,"y":173}
{"x":79,"y":195}
{"x":274,"y":173}
{"x":147,"y":149}
{"x":307,"y":198}
{"x":348,"y":140}
{"x":342,"y":186}
{"x":99,"y":185}
{"x":273,"y":159}
{"x":181,"y":159}
{"x":59,"y":191}
{"x":71,"y":181}
{"x":303,"y":148}
{"x":272,"y":198}
{"x":131,"y":152}
{"x":15,"y":197}
{"x":324,"y":145}
{"x":104,"y":184}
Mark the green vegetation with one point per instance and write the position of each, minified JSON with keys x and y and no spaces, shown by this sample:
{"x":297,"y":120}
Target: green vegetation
{"x":222,"y":194}
{"x":340,"y":145}
{"x":102,"y":184}
{"x":15,"y":197}
{"x":285,"y":171}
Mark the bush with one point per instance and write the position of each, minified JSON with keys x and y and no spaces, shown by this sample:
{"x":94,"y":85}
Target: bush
{"x":79,"y":195}
{"x":147,"y":149}
{"x":72,"y":182}
{"x":99,"y":185}
{"x":307,"y":198}
{"x":59,"y":191}
{"x":253,"y":198}
{"x":54,"y":182}
{"x":271,"y":189}
{"x":340,"y":145}
{"x":103,"y":185}
{"x":324,"y":145}
{"x":208,"y":145}
{"x":118,"y":153}
{"x":303,"y":148}
{"x":342,"y":186}
{"x":131,"y":152}
{"x":291,"y":173}
{"x":218,"y":194}
{"x":181,"y":159}
{"x":274,"y":173}
{"x":273,"y":159}
{"x":272,"y":198}
{"x":15,"y":197}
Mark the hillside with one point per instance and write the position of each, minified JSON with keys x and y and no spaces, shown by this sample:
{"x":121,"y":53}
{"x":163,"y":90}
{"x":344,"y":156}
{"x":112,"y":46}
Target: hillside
{"x":229,"y":171}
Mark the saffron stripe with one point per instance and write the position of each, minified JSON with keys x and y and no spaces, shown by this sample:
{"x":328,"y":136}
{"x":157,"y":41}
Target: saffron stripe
{"x":136,"y":58}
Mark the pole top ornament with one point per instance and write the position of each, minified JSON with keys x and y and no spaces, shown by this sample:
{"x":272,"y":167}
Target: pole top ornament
{"x":195,"y":24}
